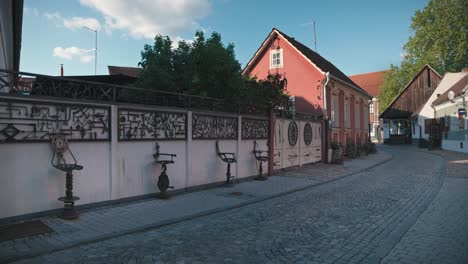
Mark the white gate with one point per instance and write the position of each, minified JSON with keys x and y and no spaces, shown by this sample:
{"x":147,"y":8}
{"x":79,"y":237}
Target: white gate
{"x":297,"y":143}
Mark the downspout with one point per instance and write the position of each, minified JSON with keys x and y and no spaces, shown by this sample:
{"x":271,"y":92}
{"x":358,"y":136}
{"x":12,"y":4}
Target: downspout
{"x":326,"y":123}
{"x":430,"y":134}
{"x":327,"y":75}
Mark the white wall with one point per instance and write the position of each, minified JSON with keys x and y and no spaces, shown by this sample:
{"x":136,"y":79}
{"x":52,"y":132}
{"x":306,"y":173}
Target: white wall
{"x":114,"y":169}
{"x":454,"y":145}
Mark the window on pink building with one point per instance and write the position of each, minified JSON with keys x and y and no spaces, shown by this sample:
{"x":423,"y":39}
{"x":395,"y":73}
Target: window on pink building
{"x":276,"y":58}
{"x":357,"y":116}
{"x":334,"y":111}
{"x":347,"y":114}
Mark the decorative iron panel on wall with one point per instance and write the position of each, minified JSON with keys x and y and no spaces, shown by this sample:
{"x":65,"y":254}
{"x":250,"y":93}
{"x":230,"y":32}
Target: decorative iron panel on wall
{"x":151,"y":125}
{"x":32,"y":121}
{"x":307,"y":134}
{"x":254,"y":128}
{"x":213,"y":127}
{"x":293,"y":133}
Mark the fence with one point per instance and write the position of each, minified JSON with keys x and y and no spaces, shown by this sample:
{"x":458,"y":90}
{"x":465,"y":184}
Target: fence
{"x":23,"y":83}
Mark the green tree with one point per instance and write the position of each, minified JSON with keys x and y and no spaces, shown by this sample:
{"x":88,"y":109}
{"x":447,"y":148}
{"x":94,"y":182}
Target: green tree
{"x":440,"y":39}
{"x":156,"y":62}
{"x":205,"y":67}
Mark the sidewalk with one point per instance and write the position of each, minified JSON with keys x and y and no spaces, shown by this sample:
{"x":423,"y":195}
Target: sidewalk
{"x":106,"y":222}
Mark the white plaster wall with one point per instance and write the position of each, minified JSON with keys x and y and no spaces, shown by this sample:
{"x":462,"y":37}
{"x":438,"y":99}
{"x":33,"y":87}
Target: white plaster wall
{"x":29,"y":183}
{"x":205,"y":166}
{"x":138,"y":173}
{"x":247,"y":164}
{"x":120,"y":169}
{"x":454,"y":145}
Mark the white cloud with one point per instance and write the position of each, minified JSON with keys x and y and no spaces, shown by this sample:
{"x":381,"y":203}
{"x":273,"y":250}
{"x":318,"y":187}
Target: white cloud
{"x":73,"y":22}
{"x":73,"y":52}
{"x":146,"y":18}
{"x":80,"y":22}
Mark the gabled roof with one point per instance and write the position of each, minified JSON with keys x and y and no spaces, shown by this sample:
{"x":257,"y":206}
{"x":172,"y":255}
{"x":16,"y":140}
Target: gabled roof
{"x":427,"y":66}
{"x":127,"y":71}
{"x":370,"y":81}
{"x":313,"y":57}
{"x":457,"y":88}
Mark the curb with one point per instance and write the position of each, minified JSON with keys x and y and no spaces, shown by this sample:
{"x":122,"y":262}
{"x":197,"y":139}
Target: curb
{"x":177,"y":220}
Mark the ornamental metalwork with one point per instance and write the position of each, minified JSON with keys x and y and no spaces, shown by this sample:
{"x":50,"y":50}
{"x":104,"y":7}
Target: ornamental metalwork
{"x":254,"y":128}
{"x":293,"y":133}
{"x":113,"y":88}
{"x":33,"y":121}
{"x":307,"y":134}
{"x":150,"y":125}
{"x":213,"y":127}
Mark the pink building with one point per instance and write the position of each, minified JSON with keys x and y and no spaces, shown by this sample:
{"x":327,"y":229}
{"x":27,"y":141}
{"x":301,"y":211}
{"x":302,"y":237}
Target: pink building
{"x":316,"y":86}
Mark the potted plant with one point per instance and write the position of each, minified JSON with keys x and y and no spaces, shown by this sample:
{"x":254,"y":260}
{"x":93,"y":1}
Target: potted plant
{"x":337,"y":154}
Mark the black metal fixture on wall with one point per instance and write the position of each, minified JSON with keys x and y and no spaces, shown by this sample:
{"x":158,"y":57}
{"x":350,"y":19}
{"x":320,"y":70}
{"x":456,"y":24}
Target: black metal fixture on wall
{"x":261,"y":156}
{"x":61,"y":147}
{"x":163,"y":180}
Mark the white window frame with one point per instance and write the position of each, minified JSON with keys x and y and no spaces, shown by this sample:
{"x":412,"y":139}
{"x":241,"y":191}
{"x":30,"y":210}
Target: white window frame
{"x":335,"y":111}
{"x":274,"y":62}
{"x":371,"y":108}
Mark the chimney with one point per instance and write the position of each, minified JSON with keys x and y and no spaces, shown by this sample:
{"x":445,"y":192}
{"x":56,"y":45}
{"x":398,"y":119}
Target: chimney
{"x":61,"y":70}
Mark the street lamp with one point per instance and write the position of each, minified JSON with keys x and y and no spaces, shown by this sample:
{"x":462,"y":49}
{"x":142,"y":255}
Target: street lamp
{"x":95,"y":48}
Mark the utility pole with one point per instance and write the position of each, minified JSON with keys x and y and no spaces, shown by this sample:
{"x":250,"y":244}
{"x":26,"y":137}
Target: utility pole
{"x":315,"y":38}
{"x":95,"y":48}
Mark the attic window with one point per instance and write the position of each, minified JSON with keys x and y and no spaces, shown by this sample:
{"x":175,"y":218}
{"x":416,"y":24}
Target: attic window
{"x":276,"y":58}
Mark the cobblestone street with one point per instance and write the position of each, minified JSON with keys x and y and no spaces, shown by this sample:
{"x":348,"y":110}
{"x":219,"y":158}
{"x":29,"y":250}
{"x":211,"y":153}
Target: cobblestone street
{"x":404,"y":211}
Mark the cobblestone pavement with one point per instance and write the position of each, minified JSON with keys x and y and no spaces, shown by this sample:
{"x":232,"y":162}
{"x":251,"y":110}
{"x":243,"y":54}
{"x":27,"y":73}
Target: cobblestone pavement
{"x":106,"y":222}
{"x":362,"y":218}
{"x":440,"y":235}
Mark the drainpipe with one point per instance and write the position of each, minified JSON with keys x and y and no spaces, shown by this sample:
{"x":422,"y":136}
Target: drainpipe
{"x":327,"y":75}
{"x":430,"y":134}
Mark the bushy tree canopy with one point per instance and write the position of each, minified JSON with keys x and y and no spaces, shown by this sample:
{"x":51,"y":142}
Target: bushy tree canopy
{"x":205,"y":67}
{"x":440,"y":39}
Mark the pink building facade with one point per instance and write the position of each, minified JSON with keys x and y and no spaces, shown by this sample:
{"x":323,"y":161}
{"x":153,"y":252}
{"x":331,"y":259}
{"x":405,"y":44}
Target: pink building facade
{"x":316,"y":86}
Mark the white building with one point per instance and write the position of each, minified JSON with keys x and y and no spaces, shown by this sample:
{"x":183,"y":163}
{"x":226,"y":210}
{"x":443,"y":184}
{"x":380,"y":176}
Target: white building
{"x":427,"y":111}
{"x":451,"y":108}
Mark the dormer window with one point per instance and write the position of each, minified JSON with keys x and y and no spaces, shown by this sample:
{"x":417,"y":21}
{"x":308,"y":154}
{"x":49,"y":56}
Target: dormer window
{"x":276,"y":58}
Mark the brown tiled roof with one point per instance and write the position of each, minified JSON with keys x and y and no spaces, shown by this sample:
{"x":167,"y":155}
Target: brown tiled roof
{"x":319,"y":61}
{"x":370,"y":82}
{"x":457,"y":88}
{"x":128,"y":71}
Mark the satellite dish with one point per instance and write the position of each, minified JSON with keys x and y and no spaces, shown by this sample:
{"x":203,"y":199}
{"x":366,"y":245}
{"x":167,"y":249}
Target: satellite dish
{"x":451,"y":95}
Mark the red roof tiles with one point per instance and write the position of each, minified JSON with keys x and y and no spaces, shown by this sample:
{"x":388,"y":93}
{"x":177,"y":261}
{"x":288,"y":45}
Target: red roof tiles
{"x":370,"y":82}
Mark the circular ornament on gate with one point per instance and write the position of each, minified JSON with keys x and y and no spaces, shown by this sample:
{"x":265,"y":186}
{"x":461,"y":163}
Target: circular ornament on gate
{"x":307,"y":134}
{"x":293,"y":133}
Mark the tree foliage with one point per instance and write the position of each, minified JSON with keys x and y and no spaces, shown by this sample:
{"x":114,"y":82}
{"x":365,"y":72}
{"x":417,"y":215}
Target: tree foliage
{"x":205,"y":67}
{"x":440,"y":39}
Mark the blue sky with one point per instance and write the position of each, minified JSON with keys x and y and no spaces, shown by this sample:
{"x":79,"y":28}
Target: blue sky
{"x":357,"y":36}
